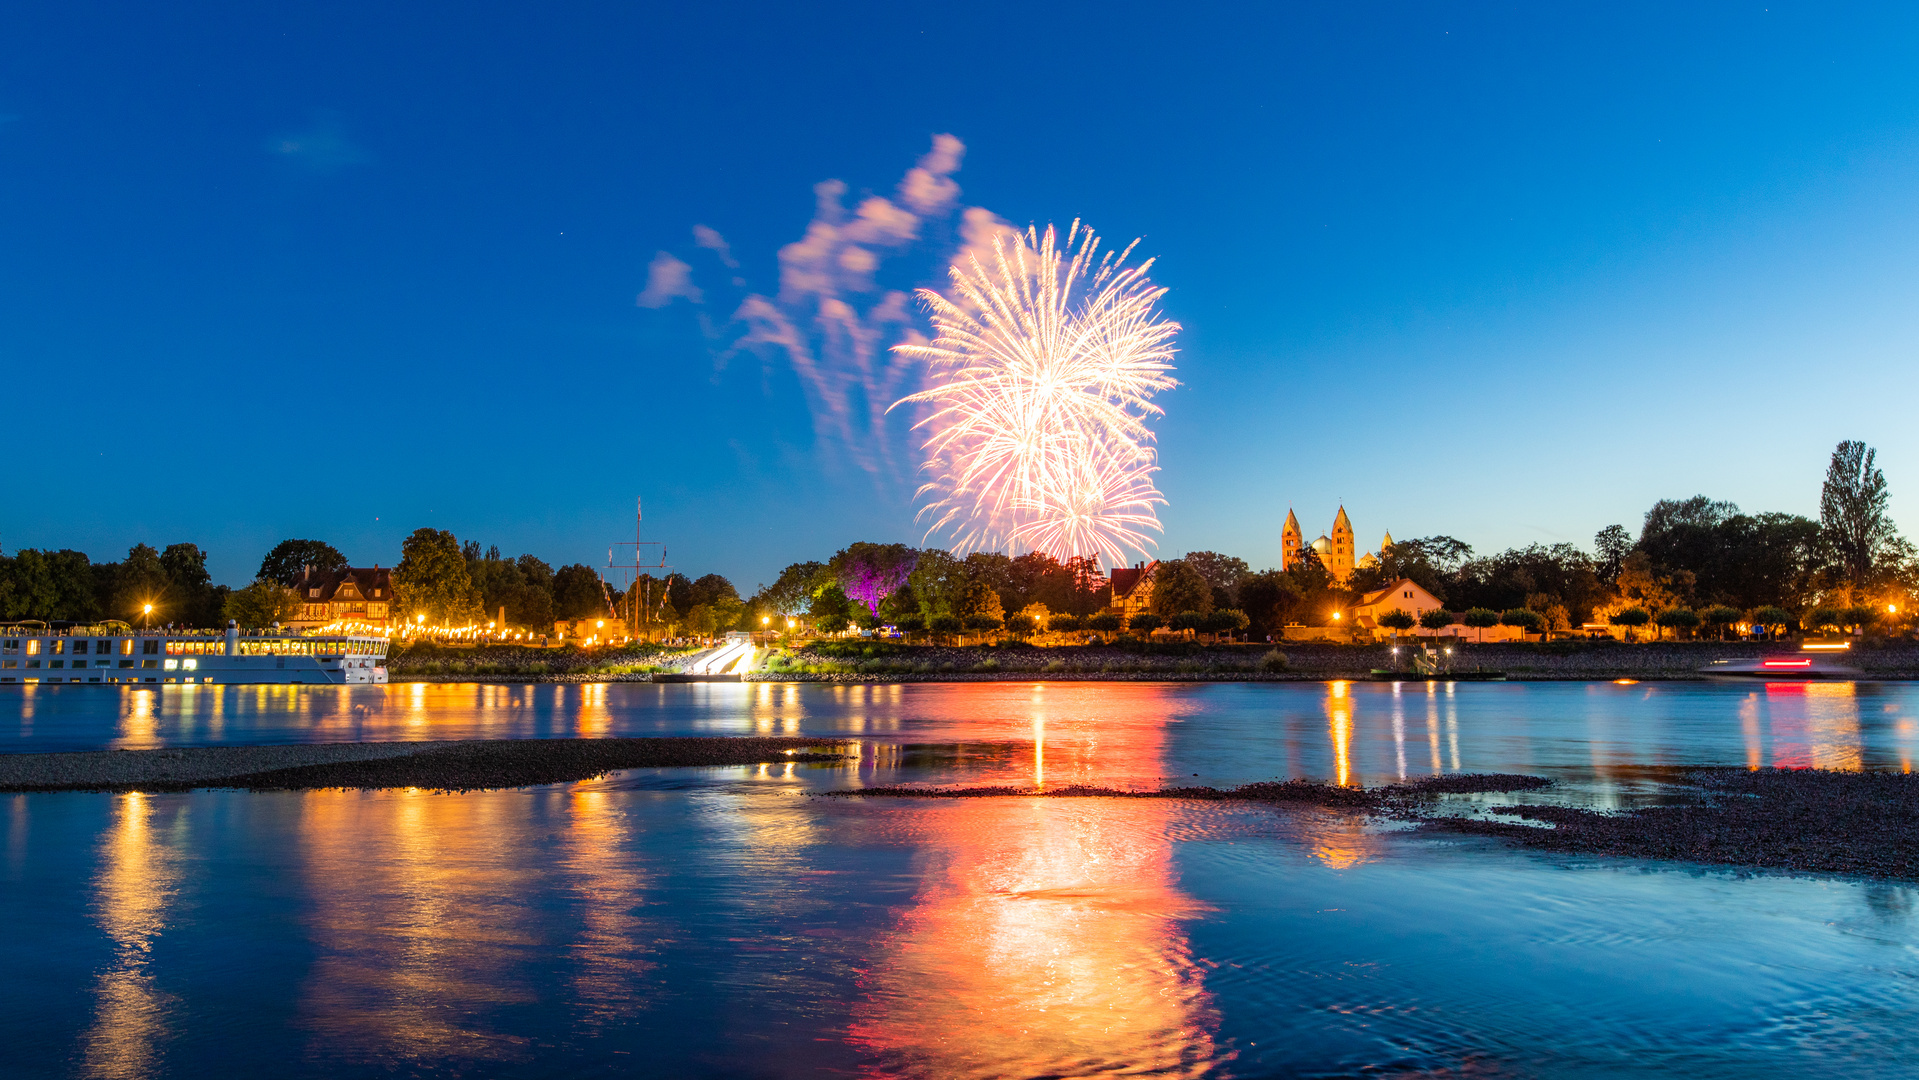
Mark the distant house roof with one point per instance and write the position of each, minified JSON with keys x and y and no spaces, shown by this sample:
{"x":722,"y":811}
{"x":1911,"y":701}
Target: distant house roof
{"x":346,"y":583}
{"x":1126,"y":579}
{"x":1393,"y":596}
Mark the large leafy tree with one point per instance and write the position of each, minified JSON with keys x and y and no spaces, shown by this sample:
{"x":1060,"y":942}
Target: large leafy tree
{"x":939,"y":580}
{"x":140,"y":579}
{"x":1270,"y":598}
{"x":577,"y":594}
{"x":793,"y":591}
{"x":829,"y":608}
{"x":1611,"y":545}
{"x":192,"y":597}
{"x":290,"y":558}
{"x":432,"y":580}
{"x":1537,"y":574}
{"x":49,"y":585}
{"x":981,"y":601}
{"x":1179,"y":588}
{"x":1222,"y":573}
{"x":869,"y":573}
{"x":994,"y":570}
{"x":523,"y":586}
{"x":262,"y":603}
{"x":1430,"y":561}
{"x":1852,"y":513}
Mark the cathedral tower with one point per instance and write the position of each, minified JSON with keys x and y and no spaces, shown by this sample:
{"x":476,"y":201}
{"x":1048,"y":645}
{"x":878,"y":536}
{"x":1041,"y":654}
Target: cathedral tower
{"x":1291,"y":542}
{"x":1339,"y":560}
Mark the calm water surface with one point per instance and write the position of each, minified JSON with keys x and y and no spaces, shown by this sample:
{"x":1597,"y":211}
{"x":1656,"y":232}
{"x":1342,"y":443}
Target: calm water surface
{"x":726,"y":922}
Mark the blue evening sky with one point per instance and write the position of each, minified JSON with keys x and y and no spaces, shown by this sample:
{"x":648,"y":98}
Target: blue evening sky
{"x":1506,"y":272}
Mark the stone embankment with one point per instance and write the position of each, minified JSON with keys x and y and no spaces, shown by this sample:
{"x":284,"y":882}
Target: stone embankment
{"x":1569,"y":660}
{"x":888,"y":662}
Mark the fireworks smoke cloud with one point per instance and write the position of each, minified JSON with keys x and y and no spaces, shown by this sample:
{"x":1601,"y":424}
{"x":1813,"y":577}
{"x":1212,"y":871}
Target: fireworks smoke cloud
{"x":1042,"y":372}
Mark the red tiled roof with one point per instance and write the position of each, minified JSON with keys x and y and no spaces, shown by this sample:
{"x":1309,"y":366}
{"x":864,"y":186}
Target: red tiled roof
{"x":1126,"y":579}
{"x":371,"y":583}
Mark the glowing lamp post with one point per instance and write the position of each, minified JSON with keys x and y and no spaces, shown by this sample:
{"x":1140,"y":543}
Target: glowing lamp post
{"x":146,"y":615}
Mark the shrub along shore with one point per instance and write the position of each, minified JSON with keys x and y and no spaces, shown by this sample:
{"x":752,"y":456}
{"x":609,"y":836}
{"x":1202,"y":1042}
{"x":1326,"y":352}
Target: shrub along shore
{"x":859,"y":661}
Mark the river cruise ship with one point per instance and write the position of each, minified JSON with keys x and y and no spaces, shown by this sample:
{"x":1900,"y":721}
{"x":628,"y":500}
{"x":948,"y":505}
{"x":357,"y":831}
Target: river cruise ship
{"x":115,"y":653}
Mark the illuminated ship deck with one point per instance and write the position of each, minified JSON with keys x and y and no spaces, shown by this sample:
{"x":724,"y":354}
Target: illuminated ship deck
{"x":114,"y":653}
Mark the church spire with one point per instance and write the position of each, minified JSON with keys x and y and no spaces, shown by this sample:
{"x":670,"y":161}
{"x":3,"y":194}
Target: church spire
{"x":1341,"y":558}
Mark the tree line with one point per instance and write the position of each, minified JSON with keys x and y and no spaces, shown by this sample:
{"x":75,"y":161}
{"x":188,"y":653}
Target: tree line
{"x":1694,"y":562}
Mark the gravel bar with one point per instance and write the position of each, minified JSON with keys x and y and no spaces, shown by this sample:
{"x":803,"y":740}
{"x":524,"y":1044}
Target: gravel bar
{"x":439,"y":766}
{"x":1278,"y":791}
{"x":1809,"y":820}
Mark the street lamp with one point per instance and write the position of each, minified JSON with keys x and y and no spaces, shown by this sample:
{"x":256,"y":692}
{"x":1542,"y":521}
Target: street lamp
{"x":146,"y":616}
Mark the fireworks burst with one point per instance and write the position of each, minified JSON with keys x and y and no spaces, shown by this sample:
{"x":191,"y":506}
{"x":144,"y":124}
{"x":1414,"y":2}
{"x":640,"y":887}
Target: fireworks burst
{"x":1045,"y":365}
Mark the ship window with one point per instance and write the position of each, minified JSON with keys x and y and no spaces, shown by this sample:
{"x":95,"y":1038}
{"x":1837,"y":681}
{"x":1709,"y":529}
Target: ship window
{"x":33,"y":647}
{"x":80,"y":647}
{"x":59,"y":647}
{"x":126,"y":646}
{"x":11,"y":647}
{"x":150,"y":647}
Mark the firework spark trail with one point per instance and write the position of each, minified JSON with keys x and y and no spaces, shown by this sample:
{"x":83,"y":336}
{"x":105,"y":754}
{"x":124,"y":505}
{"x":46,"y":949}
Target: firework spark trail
{"x":1045,"y":365}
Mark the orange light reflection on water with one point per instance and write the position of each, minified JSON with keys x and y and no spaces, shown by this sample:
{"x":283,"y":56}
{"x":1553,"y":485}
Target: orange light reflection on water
{"x":1046,"y":940}
{"x":133,"y":889}
{"x":1339,"y":711}
{"x":414,"y":913}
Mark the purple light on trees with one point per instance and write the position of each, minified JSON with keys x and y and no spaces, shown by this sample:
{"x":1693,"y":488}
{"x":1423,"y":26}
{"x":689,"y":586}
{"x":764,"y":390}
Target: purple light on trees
{"x":869,"y":573}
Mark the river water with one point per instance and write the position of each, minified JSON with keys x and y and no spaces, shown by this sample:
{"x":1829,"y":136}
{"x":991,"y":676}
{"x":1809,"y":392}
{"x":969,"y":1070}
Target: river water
{"x":728,"y":922}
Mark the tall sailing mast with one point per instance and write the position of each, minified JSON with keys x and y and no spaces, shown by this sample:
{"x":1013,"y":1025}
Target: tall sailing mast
{"x":640,"y":608}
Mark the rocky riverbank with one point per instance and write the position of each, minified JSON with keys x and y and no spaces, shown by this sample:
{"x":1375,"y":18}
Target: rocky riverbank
{"x":855,"y":661}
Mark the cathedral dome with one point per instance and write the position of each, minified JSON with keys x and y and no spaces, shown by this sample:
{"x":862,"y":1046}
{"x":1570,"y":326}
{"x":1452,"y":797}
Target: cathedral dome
{"x":1322,"y":545}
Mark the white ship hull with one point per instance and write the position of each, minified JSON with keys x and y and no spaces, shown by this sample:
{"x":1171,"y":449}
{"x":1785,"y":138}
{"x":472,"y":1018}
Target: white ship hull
{"x":97,"y":657}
